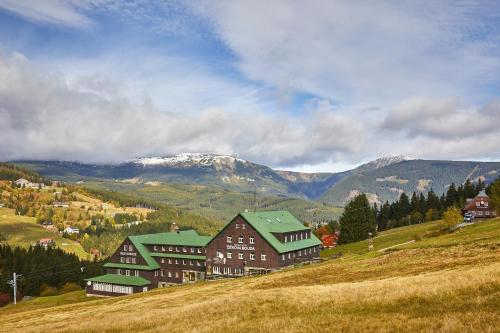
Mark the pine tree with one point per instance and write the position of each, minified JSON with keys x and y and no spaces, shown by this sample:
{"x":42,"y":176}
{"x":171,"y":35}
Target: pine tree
{"x":357,"y":221}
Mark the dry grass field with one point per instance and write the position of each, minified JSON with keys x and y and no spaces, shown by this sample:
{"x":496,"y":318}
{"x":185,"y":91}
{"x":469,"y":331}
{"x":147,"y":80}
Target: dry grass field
{"x":447,"y":283}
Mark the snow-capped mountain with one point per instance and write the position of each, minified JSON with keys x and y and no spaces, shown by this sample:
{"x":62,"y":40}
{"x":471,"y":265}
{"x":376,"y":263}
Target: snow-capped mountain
{"x":383,"y":162}
{"x":189,"y":160}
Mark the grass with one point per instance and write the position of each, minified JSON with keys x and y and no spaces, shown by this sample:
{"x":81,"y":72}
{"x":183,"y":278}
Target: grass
{"x":446,"y":283}
{"x":24,"y":231}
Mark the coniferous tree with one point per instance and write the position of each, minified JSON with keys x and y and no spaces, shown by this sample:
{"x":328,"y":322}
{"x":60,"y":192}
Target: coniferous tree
{"x":357,"y":221}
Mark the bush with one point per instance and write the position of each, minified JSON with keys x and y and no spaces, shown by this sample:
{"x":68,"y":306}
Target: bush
{"x":4,"y":299}
{"x":49,"y":291}
{"x":69,"y":287}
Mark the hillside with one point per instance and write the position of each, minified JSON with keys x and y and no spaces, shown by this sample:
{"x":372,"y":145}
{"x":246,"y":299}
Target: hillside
{"x":23,"y":231}
{"x":443,"y":283}
{"x":217,"y":203}
{"x":387,"y":182}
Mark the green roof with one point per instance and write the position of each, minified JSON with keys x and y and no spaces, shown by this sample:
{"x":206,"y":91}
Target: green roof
{"x":128,"y":266}
{"x":178,"y":256}
{"x":267,"y":223}
{"x":121,"y":280}
{"x":180,"y":238}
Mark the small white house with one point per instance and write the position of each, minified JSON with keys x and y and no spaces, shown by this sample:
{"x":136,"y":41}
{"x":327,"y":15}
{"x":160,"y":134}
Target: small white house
{"x":71,"y":230}
{"x":22,"y":182}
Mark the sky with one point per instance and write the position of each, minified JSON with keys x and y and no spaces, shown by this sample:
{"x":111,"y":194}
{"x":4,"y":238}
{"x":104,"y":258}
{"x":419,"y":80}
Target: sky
{"x":300,"y":85}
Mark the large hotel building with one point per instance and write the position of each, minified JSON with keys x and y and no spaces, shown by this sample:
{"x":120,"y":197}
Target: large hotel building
{"x":251,"y":243}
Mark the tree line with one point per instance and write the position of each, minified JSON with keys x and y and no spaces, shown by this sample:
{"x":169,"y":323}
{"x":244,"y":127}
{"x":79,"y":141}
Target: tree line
{"x":43,"y":269}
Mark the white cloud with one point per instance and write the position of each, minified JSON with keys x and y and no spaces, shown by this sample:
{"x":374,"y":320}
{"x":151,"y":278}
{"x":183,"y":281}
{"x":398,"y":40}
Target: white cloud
{"x":375,"y":52}
{"x":45,"y":118}
{"x":58,"y":12}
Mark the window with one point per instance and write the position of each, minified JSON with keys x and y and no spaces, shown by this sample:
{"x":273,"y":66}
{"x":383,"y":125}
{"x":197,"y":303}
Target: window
{"x":170,"y":248}
{"x":169,"y":274}
{"x":162,"y":260}
{"x":229,"y":255}
{"x":176,"y":262}
{"x":125,"y":247}
{"x":156,"y":273}
{"x":300,"y":253}
{"x":310,"y":251}
{"x":199,"y":250}
{"x":184,"y":249}
{"x":127,"y":272}
{"x":127,"y":260}
{"x":190,"y":263}
{"x":170,"y":261}
{"x":192,"y":250}
{"x":119,"y":271}
{"x":252,"y":256}
{"x":286,"y":239}
{"x":162,"y":273}
{"x":283,"y":257}
{"x":301,"y":235}
{"x":177,"y":274}
{"x":184,"y":262}
{"x":122,"y":260}
{"x":263,"y":257}
{"x":136,"y":273}
{"x":243,"y":226}
{"x":252,"y":240}
{"x":240,"y":255}
{"x":176,"y":249}
{"x":216,"y":270}
{"x":227,"y":270}
{"x":486,"y":204}
{"x":163,"y":249}
{"x":237,"y":225}
{"x":219,"y":254}
{"x":133,"y":260}
{"x":477,"y":203}
{"x":198,"y":263}
{"x":229,"y":239}
{"x":155,"y":248}
{"x":289,"y":255}
{"x":240,"y":240}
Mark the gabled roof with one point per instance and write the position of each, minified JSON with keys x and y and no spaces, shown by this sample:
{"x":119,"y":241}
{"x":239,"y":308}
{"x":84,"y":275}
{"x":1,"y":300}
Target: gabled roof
{"x":121,"y":280}
{"x":470,"y":202}
{"x":267,"y":223}
{"x":180,"y":238}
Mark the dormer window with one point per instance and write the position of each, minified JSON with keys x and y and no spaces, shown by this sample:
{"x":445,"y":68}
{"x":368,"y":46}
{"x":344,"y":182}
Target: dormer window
{"x":125,"y":247}
{"x":237,"y":226}
{"x":286,"y":238}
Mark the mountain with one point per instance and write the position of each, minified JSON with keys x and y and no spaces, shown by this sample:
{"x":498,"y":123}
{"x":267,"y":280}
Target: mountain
{"x":389,"y":181}
{"x":382,"y":179}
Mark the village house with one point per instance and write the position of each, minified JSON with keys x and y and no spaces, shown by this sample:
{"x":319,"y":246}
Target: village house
{"x":260,"y":242}
{"x":479,"y":207}
{"x":46,"y":242}
{"x":71,"y":230}
{"x":146,"y":262}
{"x":27,"y":184}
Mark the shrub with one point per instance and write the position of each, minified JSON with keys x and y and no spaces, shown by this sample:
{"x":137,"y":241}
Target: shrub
{"x":49,"y":291}
{"x":69,"y":287}
{"x":4,"y":299}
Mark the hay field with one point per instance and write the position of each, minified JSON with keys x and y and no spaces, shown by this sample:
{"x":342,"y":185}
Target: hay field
{"x":449,"y":283}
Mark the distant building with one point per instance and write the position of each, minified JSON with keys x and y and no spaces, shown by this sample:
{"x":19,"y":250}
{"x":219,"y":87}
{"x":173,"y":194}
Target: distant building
{"x":329,"y":240}
{"x":71,"y":230}
{"x":60,"y":204}
{"x":46,"y":242}
{"x":479,"y":206}
{"x":26,"y":183}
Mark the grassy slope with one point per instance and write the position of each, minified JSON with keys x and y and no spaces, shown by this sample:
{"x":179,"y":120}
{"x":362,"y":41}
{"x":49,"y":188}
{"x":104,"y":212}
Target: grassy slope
{"x":447,"y":283}
{"x":24,"y":231}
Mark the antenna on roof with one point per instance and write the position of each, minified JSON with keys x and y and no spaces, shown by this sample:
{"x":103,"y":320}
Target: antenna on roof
{"x":255,"y":198}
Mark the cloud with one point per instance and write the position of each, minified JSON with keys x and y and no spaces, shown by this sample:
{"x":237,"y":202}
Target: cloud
{"x":57,"y":12}
{"x":44,"y":117}
{"x":374,"y":52}
{"x":442,"y":119}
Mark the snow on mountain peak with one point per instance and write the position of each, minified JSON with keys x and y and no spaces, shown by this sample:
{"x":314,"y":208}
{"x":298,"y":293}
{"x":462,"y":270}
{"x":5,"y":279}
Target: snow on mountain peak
{"x":188,"y":159}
